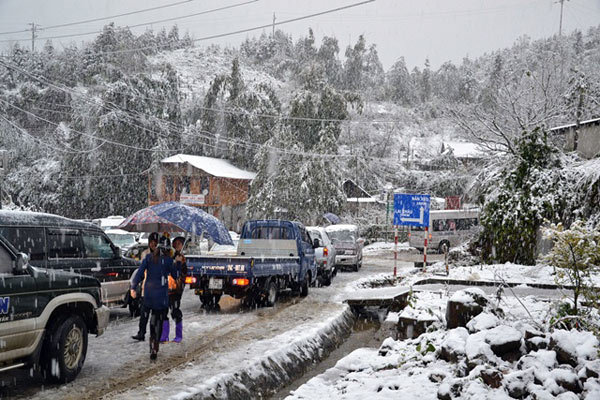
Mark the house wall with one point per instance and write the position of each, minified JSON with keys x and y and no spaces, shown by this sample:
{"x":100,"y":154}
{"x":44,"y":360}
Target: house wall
{"x":224,"y":198}
{"x":588,"y":143}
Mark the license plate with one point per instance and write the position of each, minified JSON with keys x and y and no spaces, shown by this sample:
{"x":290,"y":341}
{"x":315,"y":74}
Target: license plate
{"x":349,"y":252}
{"x":214,"y":283}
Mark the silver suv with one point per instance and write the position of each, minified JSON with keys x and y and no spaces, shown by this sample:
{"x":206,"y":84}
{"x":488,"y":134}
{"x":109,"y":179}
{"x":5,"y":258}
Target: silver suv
{"x":348,"y":245}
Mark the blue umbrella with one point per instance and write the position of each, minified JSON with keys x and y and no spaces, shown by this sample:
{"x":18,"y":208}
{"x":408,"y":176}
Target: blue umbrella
{"x":176,"y":217}
{"x":332,"y":218}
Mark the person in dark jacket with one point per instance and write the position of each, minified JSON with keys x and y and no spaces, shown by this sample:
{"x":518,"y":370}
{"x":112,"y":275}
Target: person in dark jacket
{"x":157,"y":267}
{"x":176,"y":287}
{"x":144,"y":311}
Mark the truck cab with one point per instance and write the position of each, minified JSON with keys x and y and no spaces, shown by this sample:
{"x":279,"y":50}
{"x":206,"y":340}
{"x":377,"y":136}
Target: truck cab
{"x":272,"y":255}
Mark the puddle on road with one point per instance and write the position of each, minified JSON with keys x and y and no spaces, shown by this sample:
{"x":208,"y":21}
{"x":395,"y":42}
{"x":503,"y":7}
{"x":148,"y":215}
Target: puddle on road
{"x":363,"y":334}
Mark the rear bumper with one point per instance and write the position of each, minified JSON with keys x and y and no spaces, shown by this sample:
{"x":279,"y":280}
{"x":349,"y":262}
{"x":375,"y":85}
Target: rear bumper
{"x":201,"y":286}
{"x":346,"y":260}
{"x":102,"y":317}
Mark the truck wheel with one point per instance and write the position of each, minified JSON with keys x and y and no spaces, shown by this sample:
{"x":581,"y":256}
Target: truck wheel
{"x":65,"y":349}
{"x":210,"y":301}
{"x":327,"y":280}
{"x":356,"y":267}
{"x":134,"y":308}
{"x":304,"y":287}
{"x":271,"y":294}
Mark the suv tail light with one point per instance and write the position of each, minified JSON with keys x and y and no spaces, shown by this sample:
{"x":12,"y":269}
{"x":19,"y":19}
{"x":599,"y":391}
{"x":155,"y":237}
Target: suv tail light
{"x":325,"y":251}
{"x":241,"y":282}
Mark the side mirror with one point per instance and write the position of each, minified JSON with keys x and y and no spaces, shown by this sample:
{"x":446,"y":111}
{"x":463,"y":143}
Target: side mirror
{"x":117,"y":252}
{"x":316,"y":243}
{"x":22,"y":261}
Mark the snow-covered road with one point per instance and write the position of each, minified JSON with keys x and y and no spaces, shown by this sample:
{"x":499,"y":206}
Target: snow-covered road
{"x":214,"y":343}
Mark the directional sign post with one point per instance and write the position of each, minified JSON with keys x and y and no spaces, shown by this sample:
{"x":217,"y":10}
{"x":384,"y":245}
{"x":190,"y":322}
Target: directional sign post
{"x":411,"y":210}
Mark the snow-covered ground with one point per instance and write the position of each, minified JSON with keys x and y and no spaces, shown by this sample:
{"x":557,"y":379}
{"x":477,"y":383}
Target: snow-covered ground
{"x":225,"y":353}
{"x":460,"y":363}
{"x":216,"y":346}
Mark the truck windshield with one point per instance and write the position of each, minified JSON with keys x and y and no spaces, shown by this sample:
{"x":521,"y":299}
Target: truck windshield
{"x":342,"y":236}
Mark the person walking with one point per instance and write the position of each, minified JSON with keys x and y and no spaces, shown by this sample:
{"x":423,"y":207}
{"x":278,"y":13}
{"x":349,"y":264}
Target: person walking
{"x":144,"y":311}
{"x":176,"y":287}
{"x":156,"y":267}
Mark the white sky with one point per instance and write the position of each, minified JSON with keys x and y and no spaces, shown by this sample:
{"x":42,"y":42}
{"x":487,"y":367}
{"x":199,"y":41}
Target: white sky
{"x":441,"y":30}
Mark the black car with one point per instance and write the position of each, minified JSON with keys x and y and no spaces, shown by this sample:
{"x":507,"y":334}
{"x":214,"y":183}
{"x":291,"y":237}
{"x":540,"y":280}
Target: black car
{"x":45,"y":316}
{"x":56,"y":242}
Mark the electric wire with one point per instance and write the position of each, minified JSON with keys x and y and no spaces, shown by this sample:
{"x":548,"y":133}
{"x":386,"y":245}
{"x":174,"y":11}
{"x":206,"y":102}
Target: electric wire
{"x":105,"y":18}
{"x":138,"y":25}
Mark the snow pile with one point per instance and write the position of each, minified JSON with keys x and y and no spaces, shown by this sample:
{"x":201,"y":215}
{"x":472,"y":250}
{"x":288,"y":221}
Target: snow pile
{"x":384,"y":247}
{"x":497,"y":358}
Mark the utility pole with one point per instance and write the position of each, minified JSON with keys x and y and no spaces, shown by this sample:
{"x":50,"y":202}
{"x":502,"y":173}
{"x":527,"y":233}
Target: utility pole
{"x":562,"y":3}
{"x":34,"y":28}
{"x":273,"y":24}
{"x":3,"y":170}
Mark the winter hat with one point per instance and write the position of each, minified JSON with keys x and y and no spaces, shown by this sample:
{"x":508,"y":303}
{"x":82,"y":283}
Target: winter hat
{"x":153,"y":237}
{"x":164,"y":243}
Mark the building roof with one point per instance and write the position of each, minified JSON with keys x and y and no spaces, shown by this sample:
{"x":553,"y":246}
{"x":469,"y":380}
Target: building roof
{"x":560,"y":129}
{"x":212,"y":166}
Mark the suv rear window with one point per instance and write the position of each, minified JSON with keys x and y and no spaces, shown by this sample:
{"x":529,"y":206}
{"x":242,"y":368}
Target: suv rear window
{"x":26,"y":240}
{"x":64,"y":243}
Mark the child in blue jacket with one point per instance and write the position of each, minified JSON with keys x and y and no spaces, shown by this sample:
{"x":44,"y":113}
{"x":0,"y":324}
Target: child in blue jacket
{"x":157,"y":267}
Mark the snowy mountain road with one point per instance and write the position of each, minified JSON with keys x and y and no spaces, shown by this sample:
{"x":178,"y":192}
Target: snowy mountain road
{"x":214,"y":343}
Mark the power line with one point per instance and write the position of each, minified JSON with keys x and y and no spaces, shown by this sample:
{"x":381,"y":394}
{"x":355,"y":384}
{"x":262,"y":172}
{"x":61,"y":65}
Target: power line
{"x":205,"y":38}
{"x":105,"y":18}
{"x":140,"y":24}
{"x":70,"y":150}
{"x":180,"y":129}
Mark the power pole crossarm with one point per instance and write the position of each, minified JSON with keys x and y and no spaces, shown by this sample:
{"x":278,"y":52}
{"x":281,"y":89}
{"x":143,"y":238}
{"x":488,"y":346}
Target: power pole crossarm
{"x":34,"y":28}
{"x":562,"y":4}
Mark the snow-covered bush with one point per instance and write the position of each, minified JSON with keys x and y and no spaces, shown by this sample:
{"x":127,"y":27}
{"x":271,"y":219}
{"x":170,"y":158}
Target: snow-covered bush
{"x":525,"y":197}
{"x":575,"y":256}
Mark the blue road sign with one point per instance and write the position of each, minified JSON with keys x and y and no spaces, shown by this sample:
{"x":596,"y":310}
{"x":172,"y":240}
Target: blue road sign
{"x":411,"y":209}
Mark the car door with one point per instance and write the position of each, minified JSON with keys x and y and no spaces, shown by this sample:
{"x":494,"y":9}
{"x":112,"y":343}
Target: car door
{"x":18,"y":308}
{"x":65,"y":250}
{"x":98,"y":254}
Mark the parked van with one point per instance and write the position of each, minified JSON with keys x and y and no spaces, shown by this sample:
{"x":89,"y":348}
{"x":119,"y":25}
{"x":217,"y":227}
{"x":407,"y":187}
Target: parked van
{"x":447,"y":228}
{"x":56,"y":242}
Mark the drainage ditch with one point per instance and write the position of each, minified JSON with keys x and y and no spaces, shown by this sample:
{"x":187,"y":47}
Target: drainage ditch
{"x":364,"y":333}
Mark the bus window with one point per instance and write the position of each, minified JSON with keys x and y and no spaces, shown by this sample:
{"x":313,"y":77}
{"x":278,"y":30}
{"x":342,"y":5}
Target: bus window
{"x":451,"y":225}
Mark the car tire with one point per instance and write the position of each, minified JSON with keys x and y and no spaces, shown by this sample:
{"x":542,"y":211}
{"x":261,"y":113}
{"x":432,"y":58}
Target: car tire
{"x":327,"y":280}
{"x":304,"y":287}
{"x":65,"y":349}
{"x":271,"y":297}
{"x":441,"y":246}
{"x":356,"y":267}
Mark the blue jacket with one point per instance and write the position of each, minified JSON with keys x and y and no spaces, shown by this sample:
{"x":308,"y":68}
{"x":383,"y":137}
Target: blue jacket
{"x":156,"y":287}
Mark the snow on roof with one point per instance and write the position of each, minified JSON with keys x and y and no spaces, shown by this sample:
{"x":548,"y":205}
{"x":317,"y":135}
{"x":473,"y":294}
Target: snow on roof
{"x":568,"y":126}
{"x":465,"y":149}
{"x":363,"y":200}
{"x":341,"y":227}
{"x":213,"y":166}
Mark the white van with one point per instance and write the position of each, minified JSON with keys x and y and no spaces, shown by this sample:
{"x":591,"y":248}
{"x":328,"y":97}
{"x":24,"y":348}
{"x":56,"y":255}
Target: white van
{"x":448,"y":228}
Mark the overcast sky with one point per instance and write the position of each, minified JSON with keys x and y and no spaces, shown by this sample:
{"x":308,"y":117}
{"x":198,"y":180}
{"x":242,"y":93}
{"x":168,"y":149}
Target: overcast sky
{"x":440,"y":30}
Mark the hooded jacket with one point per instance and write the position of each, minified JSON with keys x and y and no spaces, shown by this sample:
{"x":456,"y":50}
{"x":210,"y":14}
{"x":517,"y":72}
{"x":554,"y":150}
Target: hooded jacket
{"x":156,"y":286}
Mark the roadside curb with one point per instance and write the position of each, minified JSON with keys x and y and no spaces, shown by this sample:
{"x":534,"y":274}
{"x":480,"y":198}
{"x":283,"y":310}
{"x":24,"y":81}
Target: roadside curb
{"x":428,"y":281}
{"x":264,"y":376}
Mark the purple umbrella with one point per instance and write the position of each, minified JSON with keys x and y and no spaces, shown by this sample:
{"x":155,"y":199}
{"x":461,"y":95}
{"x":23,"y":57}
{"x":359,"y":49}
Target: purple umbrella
{"x":176,"y":217}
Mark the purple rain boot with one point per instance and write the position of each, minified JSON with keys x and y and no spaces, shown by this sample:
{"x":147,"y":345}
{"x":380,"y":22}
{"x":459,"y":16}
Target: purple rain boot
{"x":165,"y":332}
{"x":178,"y":332}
